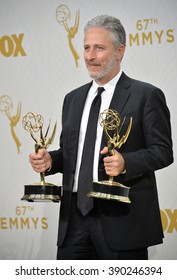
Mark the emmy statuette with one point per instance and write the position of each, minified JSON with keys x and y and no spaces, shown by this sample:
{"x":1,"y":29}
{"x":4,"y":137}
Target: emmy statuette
{"x":110,"y":121}
{"x":41,"y":191}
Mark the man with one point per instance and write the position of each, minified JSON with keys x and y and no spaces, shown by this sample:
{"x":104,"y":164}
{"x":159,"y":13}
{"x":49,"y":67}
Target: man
{"x":110,"y":229}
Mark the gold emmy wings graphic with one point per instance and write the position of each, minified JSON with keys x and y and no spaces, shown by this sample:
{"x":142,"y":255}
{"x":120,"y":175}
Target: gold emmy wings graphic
{"x":42,"y":191}
{"x":63,"y":14}
{"x":111,"y":121}
{"x":6,"y":105}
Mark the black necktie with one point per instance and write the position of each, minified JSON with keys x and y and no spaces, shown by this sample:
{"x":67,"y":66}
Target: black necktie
{"x":85,"y":181}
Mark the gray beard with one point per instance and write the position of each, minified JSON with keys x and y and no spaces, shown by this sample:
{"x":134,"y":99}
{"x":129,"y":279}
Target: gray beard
{"x":107,"y":68}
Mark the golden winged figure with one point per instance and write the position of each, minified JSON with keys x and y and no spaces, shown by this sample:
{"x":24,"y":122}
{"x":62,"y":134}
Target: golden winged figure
{"x":5,"y":107}
{"x":63,"y":14}
{"x":33,"y":122}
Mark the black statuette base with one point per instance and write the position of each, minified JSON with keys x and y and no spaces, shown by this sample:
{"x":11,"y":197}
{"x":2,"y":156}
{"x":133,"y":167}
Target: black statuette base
{"x":110,"y":191}
{"x":42,"y":192}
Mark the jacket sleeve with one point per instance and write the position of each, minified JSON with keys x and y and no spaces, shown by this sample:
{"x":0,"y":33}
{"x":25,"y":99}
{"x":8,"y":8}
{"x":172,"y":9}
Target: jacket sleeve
{"x":157,"y":152}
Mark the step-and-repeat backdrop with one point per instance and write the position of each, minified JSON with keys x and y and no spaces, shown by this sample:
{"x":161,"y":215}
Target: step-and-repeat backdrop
{"x":41,"y":59}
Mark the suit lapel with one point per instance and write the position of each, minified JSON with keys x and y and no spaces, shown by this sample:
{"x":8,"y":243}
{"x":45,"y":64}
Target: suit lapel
{"x":121,"y":94}
{"x":78,"y":106}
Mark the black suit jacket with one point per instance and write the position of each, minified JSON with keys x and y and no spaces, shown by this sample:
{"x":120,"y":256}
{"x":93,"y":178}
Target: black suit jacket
{"x":148,"y":148}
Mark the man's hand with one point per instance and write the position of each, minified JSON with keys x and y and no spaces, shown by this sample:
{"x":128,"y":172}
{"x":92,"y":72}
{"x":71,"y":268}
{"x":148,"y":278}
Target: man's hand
{"x":114,"y":165}
{"x":40,"y":161}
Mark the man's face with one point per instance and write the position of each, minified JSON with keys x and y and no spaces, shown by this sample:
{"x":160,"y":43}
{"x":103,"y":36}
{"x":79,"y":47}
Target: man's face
{"x":101,"y":56}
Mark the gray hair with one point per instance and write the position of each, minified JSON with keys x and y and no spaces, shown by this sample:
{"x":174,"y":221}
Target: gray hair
{"x":111,"y":24}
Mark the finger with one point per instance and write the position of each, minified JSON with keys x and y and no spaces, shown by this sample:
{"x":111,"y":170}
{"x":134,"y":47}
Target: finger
{"x":41,"y":152}
{"x":104,"y":150}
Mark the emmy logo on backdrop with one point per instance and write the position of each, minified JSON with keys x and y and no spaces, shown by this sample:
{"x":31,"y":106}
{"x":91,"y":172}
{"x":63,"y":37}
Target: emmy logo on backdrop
{"x":62,"y":15}
{"x":112,"y":125}
{"x":42,"y":191}
{"x":5,"y":106}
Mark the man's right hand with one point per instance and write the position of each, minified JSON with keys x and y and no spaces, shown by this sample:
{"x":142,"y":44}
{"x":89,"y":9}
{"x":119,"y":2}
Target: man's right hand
{"x":40,"y":161}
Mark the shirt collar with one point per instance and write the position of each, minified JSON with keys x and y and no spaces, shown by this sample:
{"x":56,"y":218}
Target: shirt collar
{"x":110,"y":86}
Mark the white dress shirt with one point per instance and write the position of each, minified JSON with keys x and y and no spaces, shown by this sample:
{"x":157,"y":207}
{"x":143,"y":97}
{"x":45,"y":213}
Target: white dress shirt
{"x":106,"y":98}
